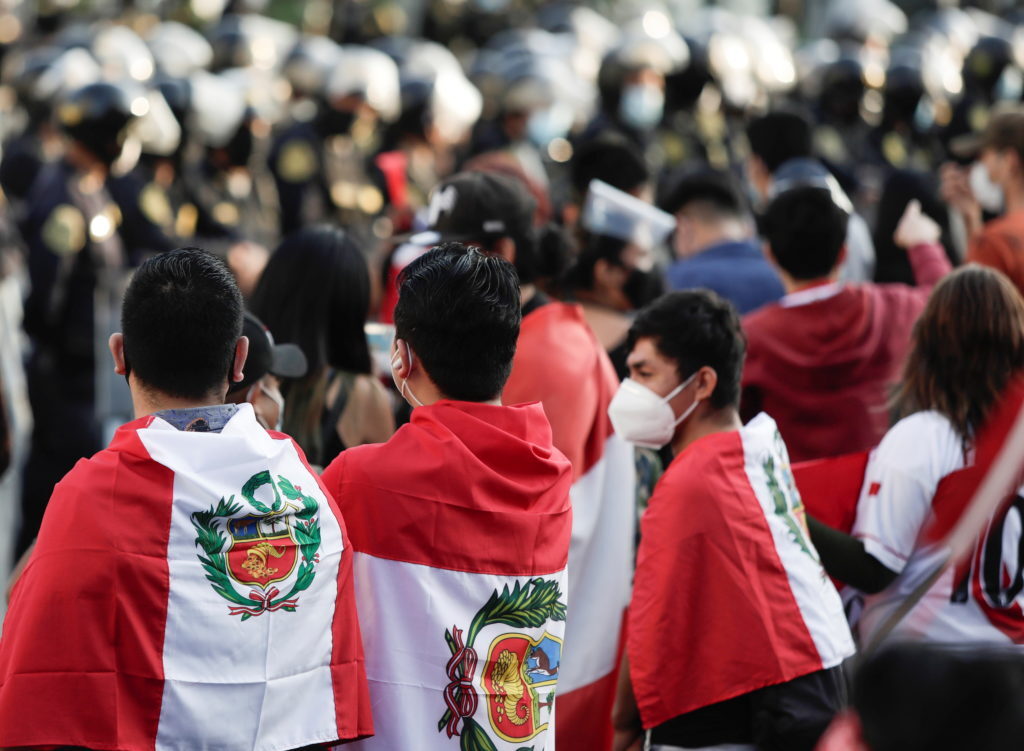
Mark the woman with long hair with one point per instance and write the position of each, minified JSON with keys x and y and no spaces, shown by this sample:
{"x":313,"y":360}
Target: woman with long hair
{"x":967,"y":346}
{"x":315,"y":292}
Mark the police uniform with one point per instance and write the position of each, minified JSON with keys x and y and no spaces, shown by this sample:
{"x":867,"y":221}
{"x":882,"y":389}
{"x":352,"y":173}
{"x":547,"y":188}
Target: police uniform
{"x":72,"y":231}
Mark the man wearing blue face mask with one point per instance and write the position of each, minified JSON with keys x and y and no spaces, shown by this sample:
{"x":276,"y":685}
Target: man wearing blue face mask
{"x":726,"y":564}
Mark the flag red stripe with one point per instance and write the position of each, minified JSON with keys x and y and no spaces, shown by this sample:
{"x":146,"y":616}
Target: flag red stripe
{"x":105,"y":534}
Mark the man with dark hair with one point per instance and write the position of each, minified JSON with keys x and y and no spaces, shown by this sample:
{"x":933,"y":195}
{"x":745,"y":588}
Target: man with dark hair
{"x":781,"y":156}
{"x":726,"y":564}
{"x":561,"y":364}
{"x":192,"y":571}
{"x":822,"y":359}
{"x":460,"y":519}
{"x":713,"y":244}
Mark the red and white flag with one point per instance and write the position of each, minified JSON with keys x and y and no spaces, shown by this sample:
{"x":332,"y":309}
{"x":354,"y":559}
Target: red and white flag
{"x":730,"y":595}
{"x":187,"y":590}
{"x":560,"y":363}
{"x":460,"y":525}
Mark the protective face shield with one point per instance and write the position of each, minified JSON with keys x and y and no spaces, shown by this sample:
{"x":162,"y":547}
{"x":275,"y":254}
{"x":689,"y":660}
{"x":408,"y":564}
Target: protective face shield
{"x":645,"y":418}
{"x":986,"y":192}
{"x":642,"y":106}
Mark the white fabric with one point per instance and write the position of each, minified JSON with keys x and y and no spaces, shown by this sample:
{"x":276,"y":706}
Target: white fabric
{"x":404,"y":610}
{"x":811,"y":294}
{"x":770,"y":476}
{"x":262,"y":684}
{"x":902,"y":476}
{"x":600,"y":564}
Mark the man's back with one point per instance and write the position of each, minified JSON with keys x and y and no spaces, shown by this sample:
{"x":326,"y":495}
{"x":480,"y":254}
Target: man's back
{"x":737,"y":271}
{"x":188,"y":590}
{"x":460,"y":525}
{"x":1000,"y":244}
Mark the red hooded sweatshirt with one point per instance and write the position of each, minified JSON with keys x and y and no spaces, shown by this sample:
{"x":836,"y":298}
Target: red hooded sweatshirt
{"x":822,"y":361}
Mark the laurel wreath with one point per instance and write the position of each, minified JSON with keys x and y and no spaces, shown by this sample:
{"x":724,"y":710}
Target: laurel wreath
{"x":210,"y":538}
{"x":528,"y":605}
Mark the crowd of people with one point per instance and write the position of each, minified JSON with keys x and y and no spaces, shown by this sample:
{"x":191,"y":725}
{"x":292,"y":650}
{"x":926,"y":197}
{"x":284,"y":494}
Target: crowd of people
{"x":492,"y":375}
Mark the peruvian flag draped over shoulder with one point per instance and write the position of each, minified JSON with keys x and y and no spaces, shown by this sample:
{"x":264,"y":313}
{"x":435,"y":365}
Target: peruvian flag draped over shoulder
{"x":460,"y":525}
{"x":560,"y":363}
{"x":187,"y":590}
{"x":730,"y":595}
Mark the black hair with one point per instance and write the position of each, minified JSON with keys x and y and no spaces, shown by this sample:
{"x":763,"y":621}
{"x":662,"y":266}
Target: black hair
{"x":711,"y":187}
{"x":913,"y":697}
{"x":594,"y":248}
{"x":696,"y":328}
{"x":806,"y":231}
{"x":181,"y":319}
{"x":609,"y":158}
{"x":780,"y":136}
{"x":459,"y":310}
{"x":315,"y":292}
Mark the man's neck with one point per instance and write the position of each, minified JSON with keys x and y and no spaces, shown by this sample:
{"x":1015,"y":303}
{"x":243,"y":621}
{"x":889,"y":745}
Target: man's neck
{"x":720,"y":421}
{"x":792,"y":285}
{"x":1013,"y":195}
{"x":146,"y":402}
{"x":709,"y":235}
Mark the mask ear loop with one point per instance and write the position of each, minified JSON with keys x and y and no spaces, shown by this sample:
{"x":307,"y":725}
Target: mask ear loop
{"x":405,"y":383}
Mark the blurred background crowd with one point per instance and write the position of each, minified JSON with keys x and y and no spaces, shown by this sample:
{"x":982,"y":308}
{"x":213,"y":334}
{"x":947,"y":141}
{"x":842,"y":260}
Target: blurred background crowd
{"x":302,"y":140}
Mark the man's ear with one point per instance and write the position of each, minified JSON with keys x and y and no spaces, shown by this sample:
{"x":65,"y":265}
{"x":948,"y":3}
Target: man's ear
{"x":707,"y":380}
{"x":241,"y":353}
{"x":506,"y":248}
{"x":403,"y":363}
{"x":116,"y":345}
{"x":841,"y":258}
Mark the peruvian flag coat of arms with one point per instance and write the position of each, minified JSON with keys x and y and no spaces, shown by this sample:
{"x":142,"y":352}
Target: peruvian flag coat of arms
{"x":188,"y":590}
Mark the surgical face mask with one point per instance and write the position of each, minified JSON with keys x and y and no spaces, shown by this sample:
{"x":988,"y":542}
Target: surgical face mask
{"x":547,"y":124}
{"x":395,"y":362}
{"x":645,"y":418}
{"x":642,"y":106}
{"x":987,"y":193}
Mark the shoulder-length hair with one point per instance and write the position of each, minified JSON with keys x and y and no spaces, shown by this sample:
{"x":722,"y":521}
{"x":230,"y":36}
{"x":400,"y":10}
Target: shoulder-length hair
{"x":967,"y":344}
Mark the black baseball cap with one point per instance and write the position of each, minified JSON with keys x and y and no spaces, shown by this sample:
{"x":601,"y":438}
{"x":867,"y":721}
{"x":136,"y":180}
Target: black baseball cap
{"x":481,"y":206}
{"x":281,"y":360}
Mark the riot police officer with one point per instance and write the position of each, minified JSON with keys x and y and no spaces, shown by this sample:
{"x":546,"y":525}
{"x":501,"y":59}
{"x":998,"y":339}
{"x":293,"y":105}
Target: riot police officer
{"x":75,"y":233}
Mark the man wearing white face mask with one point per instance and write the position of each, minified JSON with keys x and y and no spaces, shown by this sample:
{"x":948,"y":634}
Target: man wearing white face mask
{"x":995,"y":184}
{"x":735,"y":635}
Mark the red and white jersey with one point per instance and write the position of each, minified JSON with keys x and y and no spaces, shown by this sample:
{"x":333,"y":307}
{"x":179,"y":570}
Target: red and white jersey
{"x":727,"y":568}
{"x":188,"y":590}
{"x":909,"y":501}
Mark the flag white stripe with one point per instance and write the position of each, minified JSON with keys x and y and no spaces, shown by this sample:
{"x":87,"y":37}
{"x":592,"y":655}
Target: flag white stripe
{"x":404,"y":610}
{"x":600,"y":565}
{"x":263,"y":684}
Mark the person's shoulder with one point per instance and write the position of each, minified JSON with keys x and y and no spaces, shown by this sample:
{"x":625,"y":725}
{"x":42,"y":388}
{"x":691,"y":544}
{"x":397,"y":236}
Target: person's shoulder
{"x":918,"y":436}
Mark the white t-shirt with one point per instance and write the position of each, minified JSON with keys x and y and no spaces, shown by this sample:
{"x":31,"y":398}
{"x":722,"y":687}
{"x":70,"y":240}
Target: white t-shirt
{"x":895,"y":508}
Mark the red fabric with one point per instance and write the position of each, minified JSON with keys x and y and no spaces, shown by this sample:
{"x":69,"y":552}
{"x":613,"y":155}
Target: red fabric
{"x":393,"y":164}
{"x":712,"y":615}
{"x":1000,"y":245}
{"x":463,"y":486}
{"x":830,"y":488}
{"x":823,"y":370}
{"x":561,"y":364}
{"x":81,"y":654}
{"x":348,"y":673}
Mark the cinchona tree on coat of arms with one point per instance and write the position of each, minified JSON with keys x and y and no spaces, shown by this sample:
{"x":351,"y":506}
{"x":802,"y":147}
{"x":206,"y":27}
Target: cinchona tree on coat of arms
{"x":519,"y":673}
{"x":247,"y":552}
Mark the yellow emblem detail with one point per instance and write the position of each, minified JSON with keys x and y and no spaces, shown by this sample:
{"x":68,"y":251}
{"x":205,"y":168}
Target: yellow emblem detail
{"x":64,"y":230}
{"x":188,"y":218}
{"x":344,"y":194}
{"x":894,"y":149}
{"x":297,"y":162}
{"x":978,"y":117}
{"x":257,"y":557}
{"x":154,"y":204}
{"x":508,"y":682}
{"x":370,"y":200}
{"x":226,"y":213}
{"x":70,"y":114}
